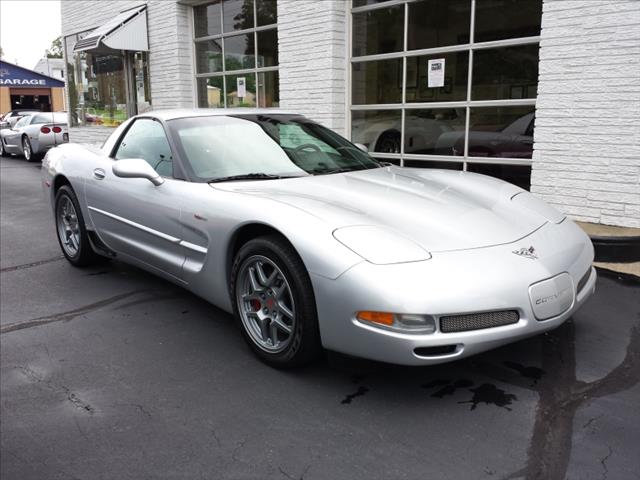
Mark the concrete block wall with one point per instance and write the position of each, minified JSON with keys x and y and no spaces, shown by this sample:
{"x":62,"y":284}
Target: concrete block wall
{"x":586,"y":159}
{"x":311,"y":43}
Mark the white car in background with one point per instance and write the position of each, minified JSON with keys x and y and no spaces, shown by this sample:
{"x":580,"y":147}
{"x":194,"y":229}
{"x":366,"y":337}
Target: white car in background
{"x":34,"y":134}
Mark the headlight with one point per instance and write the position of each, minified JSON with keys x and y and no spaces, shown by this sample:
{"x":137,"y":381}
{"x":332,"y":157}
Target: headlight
{"x":379,"y":245}
{"x":402,"y":322}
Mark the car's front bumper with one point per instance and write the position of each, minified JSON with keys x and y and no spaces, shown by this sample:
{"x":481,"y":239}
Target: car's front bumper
{"x":454,"y":283}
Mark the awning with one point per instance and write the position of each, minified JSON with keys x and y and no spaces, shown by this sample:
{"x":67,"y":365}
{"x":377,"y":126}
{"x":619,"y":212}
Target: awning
{"x":126,"y":31}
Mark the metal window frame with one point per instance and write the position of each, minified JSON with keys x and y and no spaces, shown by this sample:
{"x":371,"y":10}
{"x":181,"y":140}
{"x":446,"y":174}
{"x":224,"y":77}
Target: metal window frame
{"x":467,"y":104}
{"x":255,"y":71}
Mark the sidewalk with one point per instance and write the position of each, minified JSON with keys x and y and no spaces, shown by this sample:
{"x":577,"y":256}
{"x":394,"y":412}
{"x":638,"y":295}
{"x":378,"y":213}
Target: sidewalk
{"x":609,"y":235}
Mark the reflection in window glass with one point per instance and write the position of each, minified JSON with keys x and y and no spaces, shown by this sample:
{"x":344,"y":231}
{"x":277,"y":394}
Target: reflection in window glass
{"x":268,"y":48}
{"x":433,"y":164}
{"x":210,"y":92}
{"x":268,"y":89}
{"x":209,"y":56}
{"x":206,"y":19}
{"x":378,"y":31}
{"x":503,"y":73}
{"x":456,"y":71}
{"x":519,"y":175}
{"x":436,"y":23}
{"x":378,"y":130}
{"x":377,"y":82}
{"x":435,"y":131}
{"x":501,"y":19}
{"x":267,"y":11}
{"x":237,"y":15}
{"x":505,"y":132}
{"x":236,"y":97}
{"x":239,"y":52}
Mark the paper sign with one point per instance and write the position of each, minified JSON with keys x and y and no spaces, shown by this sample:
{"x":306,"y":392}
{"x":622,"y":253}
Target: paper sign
{"x":435,"y":69}
{"x":242,"y":87}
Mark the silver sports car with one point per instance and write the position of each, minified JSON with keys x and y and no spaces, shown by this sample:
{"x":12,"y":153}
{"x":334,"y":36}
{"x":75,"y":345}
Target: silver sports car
{"x":34,"y":134}
{"x":313,"y":244}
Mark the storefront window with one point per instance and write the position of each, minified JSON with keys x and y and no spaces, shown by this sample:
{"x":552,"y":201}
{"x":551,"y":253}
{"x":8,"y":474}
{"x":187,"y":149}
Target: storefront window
{"x":237,"y":58}
{"x":452,"y":82}
{"x":97,"y":85}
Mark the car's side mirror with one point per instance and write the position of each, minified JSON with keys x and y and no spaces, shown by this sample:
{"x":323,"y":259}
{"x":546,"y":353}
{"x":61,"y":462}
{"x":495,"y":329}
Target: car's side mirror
{"x":362,"y":147}
{"x":136,"y":168}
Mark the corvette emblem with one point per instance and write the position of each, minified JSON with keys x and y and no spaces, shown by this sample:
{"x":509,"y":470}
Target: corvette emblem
{"x":527,"y":252}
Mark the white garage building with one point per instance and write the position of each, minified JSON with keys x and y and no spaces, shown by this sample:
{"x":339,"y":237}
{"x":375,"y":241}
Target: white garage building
{"x":545,"y":94}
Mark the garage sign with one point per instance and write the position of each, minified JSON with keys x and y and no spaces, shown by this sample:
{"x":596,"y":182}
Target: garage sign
{"x":14,"y":76}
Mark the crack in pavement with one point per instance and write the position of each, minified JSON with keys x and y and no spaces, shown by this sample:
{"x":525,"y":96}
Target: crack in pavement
{"x":603,"y":462}
{"x":58,"y":317}
{"x":72,"y":397}
{"x":31,"y":264}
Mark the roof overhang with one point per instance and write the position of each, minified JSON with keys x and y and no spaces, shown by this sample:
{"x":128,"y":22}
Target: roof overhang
{"x":126,"y":31}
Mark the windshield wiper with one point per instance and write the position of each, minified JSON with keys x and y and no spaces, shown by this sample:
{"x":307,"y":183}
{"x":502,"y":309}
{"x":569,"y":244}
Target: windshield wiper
{"x":251,"y":176}
{"x":322,"y":171}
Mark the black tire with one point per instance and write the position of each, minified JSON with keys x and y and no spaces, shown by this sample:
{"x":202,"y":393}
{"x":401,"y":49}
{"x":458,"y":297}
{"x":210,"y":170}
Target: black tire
{"x":304,"y":345}
{"x":84,"y":255}
{"x":389,"y":142}
{"x":3,"y":152}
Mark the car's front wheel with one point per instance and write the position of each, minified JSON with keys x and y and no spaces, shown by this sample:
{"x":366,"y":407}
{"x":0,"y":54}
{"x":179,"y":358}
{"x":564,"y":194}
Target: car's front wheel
{"x":3,"y":152}
{"x":274,"y":301}
{"x":70,"y":229}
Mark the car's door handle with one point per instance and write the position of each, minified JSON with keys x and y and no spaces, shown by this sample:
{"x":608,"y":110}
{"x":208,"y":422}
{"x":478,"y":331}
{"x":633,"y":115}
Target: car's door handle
{"x":99,"y":173}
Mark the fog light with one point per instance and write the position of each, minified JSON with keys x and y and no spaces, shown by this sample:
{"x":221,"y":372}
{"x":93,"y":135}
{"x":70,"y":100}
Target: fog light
{"x":404,"y":322}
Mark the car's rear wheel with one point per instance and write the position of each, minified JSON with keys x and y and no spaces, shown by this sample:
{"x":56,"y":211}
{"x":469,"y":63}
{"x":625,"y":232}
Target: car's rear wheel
{"x":3,"y":152}
{"x":70,"y":229}
{"x":27,"y":151}
{"x":389,"y":142}
{"x":273,"y":299}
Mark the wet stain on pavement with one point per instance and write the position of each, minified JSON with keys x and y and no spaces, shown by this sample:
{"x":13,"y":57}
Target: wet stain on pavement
{"x":533,"y":373}
{"x":489,"y":394}
{"x":448,"y":387}
{"x":358,"y":393}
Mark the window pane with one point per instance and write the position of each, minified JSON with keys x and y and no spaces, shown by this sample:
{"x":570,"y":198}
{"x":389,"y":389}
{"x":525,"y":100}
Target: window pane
{"x":235,"y":96}
{"x":378,"y":130}
{"x":209,"y":56}
{"x":501,"y":132}
{"x":435,"y":131}
{"x":267,"y":12}
{"x":268,"y":48}
{"x":519,"y":175}
{"x":433,"y":164}
{"x":377,"y":82}
{"x":500,"y":19}
{"x":237,"y":15}
{"x":378,"y":31}
{"x":239,"y":52}
{"x":456,"y":71}
{"x":146,"y":139}
{"x":360,"y":3}
{"x":505,"y":73}
{"x":268,"y":89}
{"x":206,"y":20}
{"x":210,"y":92}
{"x":436,"y":23}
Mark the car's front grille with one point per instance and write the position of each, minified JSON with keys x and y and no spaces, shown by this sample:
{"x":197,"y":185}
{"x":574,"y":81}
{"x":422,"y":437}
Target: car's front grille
{"x":583,"y":281}
{"x":478,"y":321}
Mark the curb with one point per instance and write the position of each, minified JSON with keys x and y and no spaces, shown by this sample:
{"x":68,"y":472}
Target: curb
{"x":626,"y":278}
{"x":616,"y":249}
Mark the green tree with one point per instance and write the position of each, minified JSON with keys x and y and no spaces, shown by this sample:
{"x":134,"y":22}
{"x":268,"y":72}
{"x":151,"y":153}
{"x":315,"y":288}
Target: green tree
{"x":55,"y":51}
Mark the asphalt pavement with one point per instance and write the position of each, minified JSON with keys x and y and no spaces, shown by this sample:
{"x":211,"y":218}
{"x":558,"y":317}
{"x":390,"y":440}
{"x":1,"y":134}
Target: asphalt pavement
{"x":111,"y":373}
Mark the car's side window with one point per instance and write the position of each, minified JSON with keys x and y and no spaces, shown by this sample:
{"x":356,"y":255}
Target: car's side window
{"x":146,"y":139}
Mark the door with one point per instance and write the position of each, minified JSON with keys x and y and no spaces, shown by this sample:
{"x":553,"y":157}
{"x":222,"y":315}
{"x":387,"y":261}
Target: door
{"x":13,"y":136}
{"x":132,"y":216}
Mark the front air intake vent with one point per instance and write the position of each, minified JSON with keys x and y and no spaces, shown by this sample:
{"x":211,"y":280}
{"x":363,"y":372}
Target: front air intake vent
{"x":478,"y":321}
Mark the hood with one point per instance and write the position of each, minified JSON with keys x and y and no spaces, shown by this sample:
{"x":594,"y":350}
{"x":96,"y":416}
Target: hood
{"x":440,"y":210}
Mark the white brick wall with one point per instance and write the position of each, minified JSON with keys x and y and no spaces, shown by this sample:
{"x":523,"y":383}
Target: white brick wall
{"x":586,"y":158}
{"x":312,"y":42}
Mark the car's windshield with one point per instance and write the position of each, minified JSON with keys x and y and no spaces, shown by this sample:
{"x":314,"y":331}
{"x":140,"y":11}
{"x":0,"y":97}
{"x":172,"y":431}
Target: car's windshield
{"x":276,"y":145}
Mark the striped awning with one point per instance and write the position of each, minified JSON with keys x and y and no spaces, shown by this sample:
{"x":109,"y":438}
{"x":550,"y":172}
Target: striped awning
{"x":126,"y":31}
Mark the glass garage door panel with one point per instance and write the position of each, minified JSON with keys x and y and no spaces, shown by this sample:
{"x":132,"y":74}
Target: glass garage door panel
{"x":456,"y":77}
{"x":438,"y":23}
{"x":378,"y":130}
{"x":503,"y":19}
{"x":435,"y":131}
{"x":377,"y":82}
{"x":209,"y":56}
{"x":519,"y":175}
{"x":378,"y":31}
{"x":501,"y":132}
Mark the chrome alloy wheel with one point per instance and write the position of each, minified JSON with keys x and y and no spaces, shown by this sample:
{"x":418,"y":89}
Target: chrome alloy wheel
{"x":26,"y":148}
{"x":265,"y":303}
{"x":68,"y":226}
